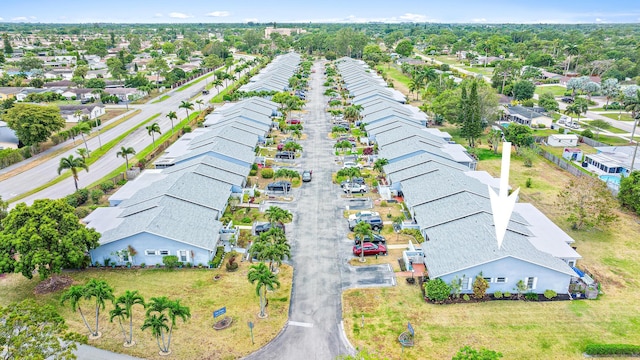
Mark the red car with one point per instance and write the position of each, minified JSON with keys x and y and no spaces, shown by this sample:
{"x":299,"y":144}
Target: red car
{"x":293,"y":121}
{"x":370,"y":249}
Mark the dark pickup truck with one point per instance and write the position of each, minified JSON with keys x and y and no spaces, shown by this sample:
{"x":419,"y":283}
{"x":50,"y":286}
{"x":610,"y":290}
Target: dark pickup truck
{"x":375,"y":223}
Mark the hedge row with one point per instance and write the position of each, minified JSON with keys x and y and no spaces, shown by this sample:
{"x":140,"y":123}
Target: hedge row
{"x":612,"y":349}
{"x":215,"y":263}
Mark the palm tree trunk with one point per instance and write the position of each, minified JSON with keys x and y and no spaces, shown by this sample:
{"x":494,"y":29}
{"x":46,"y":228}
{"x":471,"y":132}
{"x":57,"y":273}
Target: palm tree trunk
{"x":85,"y":143}
{"x":97,"y":313}
{"x":130,"y":328}
{"x":84,"y":319}
{"x":158,"y":342}
{"x":75,"y":181}
{"x":124,"y":333}
{"x":262,"y":296}
{"x":169,"y":337}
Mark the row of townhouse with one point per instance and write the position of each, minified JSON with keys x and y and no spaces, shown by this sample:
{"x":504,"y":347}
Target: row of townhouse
{"x":176,"y":208}
{"x":448,"y":201}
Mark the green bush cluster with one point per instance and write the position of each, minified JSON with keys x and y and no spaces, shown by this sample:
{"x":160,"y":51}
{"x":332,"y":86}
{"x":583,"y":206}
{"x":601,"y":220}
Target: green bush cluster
{"x":78,"y":198}
{"x":612,"y":349}
{"x":613,"y":106}
{"x":497,"y":295}
{"x":437,"y":290}
{"x":171,"y":261}
{"x":96,"y":195}
{"x":531,"y":296}
{"x":415,"y":233}
{"x":12,"y":156}
{"x":587,"y":133}
{"x":107,"y":186}
{"x":217,"y":259}
{"x":550,"y":294}
{"x":267,"y":173}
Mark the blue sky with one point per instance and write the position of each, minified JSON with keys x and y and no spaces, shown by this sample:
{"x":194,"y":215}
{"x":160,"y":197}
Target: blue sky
{"x":345,"y":11}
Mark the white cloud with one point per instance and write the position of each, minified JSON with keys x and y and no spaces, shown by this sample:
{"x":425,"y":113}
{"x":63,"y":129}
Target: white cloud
{"x":414,"y":17}
{"x":157,"y":15}
{"x":479,"y":20}
{"x":19,"y":18}
{"x":178,"y":15}
{"x":1,"y":19}
{"x":218,"y":14}
{"x":32,"y":17}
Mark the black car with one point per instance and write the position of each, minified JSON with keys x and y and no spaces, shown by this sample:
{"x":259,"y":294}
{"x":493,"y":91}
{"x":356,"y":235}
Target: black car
{"x":568,"y":100}
{"x":285,"y":155}
{"x":279,"y":186}
{"x":377,"y":239}
{"x":260,"y":228}
{"x":205,"y":92}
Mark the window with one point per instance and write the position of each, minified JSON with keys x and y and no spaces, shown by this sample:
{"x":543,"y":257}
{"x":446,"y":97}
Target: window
{"x":183,"y":255}
{"x":125,"y":256}
{"x":572,"y":263}
{"x":149,"y":252}
{"x":501,"y":280}
{"x":488,"y":280}
{"x":531,"y":283}
{"x":467,"y":283}
{"x":164,"y":252}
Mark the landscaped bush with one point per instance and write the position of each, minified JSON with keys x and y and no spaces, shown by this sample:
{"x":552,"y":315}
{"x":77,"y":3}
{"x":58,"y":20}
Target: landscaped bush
{"x":246,"y":220}
{"x":466,"y":297}
{"x":217,"y":259}
{"x":267,"y":173}
{"x":612,"y":349}
{"x":253,"y":172}
{"x":587,"y":133}
{"x":550,"y":294}
{"x":613,"y":106}
{"x":82,"y":212}
{"x":531,"y":296}
{"x":170,"y":261}
{"x":96,"y":195}
{"x":561,"y":130}
{"x":507,"y":294}
{"x":480,"y":286}
{"x":437,"y":290}
{"x":107,"y":186}
{"x":497,"y":295}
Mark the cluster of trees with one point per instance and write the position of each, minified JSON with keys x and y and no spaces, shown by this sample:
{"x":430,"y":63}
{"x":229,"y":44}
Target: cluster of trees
{"x":160,"y":316}
{"x":271,"y":246}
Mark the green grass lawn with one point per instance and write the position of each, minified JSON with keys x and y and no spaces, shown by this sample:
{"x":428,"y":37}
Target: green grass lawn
{"x":395,"y":74}
{"x":612,"y":140}
{"x":556,"y":90}
{"x":194,"y":339}
{"x":487,"y":71}
{"x":623,"y":117}
{"x":451,"y":60}
{"x":611,"y":128}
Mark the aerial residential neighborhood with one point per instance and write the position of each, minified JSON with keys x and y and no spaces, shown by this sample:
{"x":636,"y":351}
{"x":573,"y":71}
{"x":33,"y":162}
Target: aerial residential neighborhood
{"x":330,"y":182}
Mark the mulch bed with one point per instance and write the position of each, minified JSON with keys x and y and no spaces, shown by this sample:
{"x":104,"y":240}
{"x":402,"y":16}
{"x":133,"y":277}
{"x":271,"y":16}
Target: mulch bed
{"x":53,"y":284}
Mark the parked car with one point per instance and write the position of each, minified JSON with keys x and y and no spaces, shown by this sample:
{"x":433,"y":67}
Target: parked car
{"x":306,"y":175}
{"x":355,"y":188}
{"x":377,"y":239}
{"x":293,"y":121}
{"x":374,"y":222}
{"x":568,"y":100}
{"x":356,"y":180}
{"x":285,"y":155}
{"x":283,"y":142}
{"x":370,"y":249}
{"x":363,"y":214}
{"x":350,"y":164}
{"x":205,"y":92}
{"x":264,"y":227}
{"x":279,"y":186}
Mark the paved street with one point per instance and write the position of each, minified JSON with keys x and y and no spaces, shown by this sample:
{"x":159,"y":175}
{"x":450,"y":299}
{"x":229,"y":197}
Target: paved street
{"x":139,"y":139}
{"x":320,"y":250}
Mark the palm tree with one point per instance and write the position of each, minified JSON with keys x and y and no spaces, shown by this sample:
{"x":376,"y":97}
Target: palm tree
{"x":101,"y":291}
{"x":127,"y":300}
{"x":352,"y":113}
{"x":172,"y":116}
{"x":157,"y":322}
{"x":84,"y":154}
{"x":379,"y":165}
{"x":151,"y":130}
{"x":186,"y":106}
{"x":264,"y":279}
{"x":158,"y":325}
{"x":84,"y":128}
{"x":74,"y":295}
{"x":297,"y":134}
{"x":275,"y":214}
{"x":362,"y":230}
{"x":73,"y":164}
{"x":200,"y":103}
{"x":124,"y":153}
{"x":571,"y":50}
{"x":217,"y":83}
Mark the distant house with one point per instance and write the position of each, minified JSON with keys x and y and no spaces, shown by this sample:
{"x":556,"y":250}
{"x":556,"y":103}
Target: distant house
{"x":562,"y":140}
{"x":8,"y":138}
{"x":125,"y":94}
{"x":526,"y":116}
{"x":572,"y":154}
{"x":75,"y":113}
{"x":60,"y":84}
{"x":612,"y":160}
{"x":9,"y":92}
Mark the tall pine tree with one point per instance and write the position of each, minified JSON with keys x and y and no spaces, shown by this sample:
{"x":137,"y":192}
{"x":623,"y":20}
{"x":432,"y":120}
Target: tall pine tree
{"x":469,"y":114}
